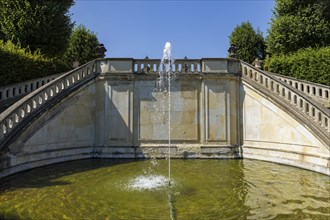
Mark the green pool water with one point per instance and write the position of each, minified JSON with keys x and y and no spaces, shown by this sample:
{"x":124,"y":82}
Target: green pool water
{"x":200,"y":189}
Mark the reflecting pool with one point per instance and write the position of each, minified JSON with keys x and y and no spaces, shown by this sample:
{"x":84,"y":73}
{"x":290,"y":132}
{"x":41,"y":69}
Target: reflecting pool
{"x":200,"y":189}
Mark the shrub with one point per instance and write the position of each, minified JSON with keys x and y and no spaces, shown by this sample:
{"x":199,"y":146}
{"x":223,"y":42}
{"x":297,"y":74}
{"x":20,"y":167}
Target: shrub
{"x":310,"y":64}
{"x":20,"y":64}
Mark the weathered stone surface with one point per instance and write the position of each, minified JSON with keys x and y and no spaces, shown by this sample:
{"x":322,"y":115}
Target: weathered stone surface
{"x":271,"y":134}
{"x":119,"y":115}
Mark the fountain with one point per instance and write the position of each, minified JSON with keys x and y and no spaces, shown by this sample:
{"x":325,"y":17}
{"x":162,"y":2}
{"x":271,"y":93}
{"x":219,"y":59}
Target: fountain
{"x":163,"y":84}
{"x":203,"y":189}
{"x":145,"y":189}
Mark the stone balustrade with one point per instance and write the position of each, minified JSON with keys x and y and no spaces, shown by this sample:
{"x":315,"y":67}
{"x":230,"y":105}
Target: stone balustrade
{"x":189,"y":66}
{"x":179,"y":66}
{"x":225,"y":109}
{"x":19,"y":114}
{"x":19,"y":89}
{"x":311,"y":109}
{"x":314,"y":90}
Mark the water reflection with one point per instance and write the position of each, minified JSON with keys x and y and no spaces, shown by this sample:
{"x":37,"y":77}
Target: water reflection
{"x":204,"y":189}
{"x":284,"y":192}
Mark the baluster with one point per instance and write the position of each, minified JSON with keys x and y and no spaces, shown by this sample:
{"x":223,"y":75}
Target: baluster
{"x":10,"y":123}
{"x":141,"y":65}
{"x":155,"y":67}
{"x":261,"y":79}
{"x":306,"y":108}
{"x":306,"y":87}
{"x":34,"y":103}
{"x":185,"y":67}
{"x":16,"y":118}
{"x":2,"y":130}
{"x":173,"y":68}
{"x":318,"y":117}
{"x":193,"y":67}
{"x":283,"y":92}
{"x":22,"y":115}
{"x":288,"y":97}
{"x":266,"y":82}
{"x":312,"y":111}
{"x":301,"y":103}
{"x":277,"y":88}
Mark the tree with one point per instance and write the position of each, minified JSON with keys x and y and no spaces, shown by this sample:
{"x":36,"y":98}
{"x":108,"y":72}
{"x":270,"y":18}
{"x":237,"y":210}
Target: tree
{"x":43,"y":25}
{"x":250,"y":43}
{"x":299,"y":24}
{"x":82,"y":46}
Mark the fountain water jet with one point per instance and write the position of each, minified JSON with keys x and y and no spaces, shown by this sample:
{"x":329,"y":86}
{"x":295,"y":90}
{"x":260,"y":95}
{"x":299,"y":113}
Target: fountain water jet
{"x":164,"y":85}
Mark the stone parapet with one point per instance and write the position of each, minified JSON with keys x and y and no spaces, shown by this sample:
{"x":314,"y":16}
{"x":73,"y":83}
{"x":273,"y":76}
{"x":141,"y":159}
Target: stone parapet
{"x":312,"y":112}
{"x":109,"y":108}
{"x":319,"y":92}
{"x":13,"y":92}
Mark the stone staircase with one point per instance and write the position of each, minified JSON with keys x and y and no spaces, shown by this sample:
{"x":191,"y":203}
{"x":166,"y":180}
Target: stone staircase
{"x":9,"y":94}
{"x":298,"y":98}
{"x":37,"y":100}
{"x":305,"y":102}
{"x":308,"y":100}
{"x":318,"y":92}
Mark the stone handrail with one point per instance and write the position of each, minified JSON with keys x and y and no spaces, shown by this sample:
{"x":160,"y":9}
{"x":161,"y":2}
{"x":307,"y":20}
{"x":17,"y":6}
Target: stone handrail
{"x":314,"y":90}
{"x":13,"y":91}
{"x":317,"y":115}
{"x":179,"y":66}
{"x":16,"y":117}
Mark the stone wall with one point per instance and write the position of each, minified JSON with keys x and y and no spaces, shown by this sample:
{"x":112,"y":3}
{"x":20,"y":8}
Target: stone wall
{"x":134,"y":119}
{"x":214,"y":114}
{"x":271,"y":133}
{"x":119,"y":115}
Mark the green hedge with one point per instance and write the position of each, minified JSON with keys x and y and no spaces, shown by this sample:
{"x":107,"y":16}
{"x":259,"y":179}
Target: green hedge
{"x":19,"y":64}
{"x":307,"y":64}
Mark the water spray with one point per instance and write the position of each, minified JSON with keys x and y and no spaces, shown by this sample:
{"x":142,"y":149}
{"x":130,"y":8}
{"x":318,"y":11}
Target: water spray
{"x":164,"y":85}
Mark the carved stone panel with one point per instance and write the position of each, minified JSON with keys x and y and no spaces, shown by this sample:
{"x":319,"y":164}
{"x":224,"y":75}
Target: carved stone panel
{"x":118,"y":114}
{"x":153,"y":112}
{"x":216,"y":111}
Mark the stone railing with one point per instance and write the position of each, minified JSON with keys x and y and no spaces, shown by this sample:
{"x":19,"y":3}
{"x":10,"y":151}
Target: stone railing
{"x":317,"y":91}
{"x":19,"y":115}
{"x":16,"y":90}
{"x":317,"y":115}
{"x":179,"y":66}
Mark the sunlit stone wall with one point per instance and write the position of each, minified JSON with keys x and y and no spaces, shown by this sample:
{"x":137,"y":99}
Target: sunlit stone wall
{"x":119,"y":115}
{"x":271,"y":133}
{"x":204,"y":110}
{"x":214,"y":114}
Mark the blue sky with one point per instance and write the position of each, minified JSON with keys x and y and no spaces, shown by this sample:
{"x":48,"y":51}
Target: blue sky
{"x":196,"y":29}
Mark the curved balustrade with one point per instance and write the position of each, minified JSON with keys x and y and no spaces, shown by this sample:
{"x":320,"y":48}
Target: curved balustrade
{"x":18,"y":115}
{"x":19,"y":89}
{"x":314,"y":90}
{"x":179,"y":66}
{"x":312,"y":110}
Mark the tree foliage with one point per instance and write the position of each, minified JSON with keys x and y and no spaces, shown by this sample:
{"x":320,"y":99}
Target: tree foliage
{"x":20,"y":64}
{"x":43,"y":25}
{"x":82,"y":46}
{"x":249,"y":42}
{"x":299,"y":24}
{"x":311,"y":64}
